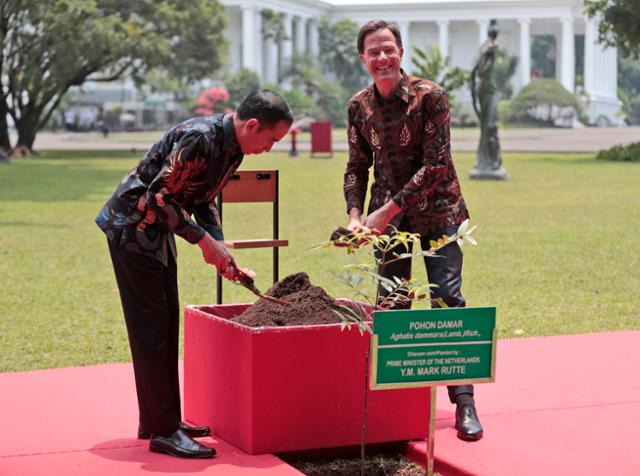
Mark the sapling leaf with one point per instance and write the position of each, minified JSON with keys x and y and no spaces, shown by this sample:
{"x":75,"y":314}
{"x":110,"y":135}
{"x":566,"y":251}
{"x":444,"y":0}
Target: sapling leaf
{"x":463,"y":226}
{"x":351,"y":313}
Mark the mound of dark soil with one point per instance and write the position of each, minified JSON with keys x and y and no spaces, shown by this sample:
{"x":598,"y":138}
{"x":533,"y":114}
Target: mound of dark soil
{"x":310,"y":305}
{"x":376,"y":465}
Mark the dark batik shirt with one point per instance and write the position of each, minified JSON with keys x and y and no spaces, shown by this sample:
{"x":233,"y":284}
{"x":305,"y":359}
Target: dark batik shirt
{"x":406,"y":139}
{"x":178,"y":177}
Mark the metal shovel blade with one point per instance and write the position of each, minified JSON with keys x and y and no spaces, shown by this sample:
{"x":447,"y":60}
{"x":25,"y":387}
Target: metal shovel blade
{"x":248,"y":283}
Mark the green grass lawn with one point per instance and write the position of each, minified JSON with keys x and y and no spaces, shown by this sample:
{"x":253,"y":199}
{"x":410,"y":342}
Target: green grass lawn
{"x":557,"y":248}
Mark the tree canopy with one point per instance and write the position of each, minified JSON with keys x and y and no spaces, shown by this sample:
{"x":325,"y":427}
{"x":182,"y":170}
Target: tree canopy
{"x":48,"y":47}
{"x":540,"y":95}
{"x":618,"y":25}
{"x":339,"y":55}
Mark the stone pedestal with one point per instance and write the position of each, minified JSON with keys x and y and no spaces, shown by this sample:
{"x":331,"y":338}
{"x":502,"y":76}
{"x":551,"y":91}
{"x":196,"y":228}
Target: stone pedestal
{"x":487,"y":174}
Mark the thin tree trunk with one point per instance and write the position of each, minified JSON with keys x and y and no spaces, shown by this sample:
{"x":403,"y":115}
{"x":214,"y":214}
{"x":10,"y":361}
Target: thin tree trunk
{"x":5,"y":141}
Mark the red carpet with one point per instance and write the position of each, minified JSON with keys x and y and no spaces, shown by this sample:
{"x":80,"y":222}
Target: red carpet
{"x":83,"y":421}
{"x":566,"y":405}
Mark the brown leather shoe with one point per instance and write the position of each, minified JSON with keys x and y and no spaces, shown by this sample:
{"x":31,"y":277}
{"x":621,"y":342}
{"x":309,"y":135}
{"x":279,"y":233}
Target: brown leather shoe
{"x":181,"y":445}
{"x":468,"y":423}
{"x":192,"y":431}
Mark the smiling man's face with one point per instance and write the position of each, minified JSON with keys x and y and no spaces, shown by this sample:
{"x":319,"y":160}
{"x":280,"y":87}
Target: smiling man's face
{"x":382,"y":57}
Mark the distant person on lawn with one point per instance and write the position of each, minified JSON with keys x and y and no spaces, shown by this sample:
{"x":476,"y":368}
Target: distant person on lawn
{"x":400,"y":125}
{"x":180,"y":176}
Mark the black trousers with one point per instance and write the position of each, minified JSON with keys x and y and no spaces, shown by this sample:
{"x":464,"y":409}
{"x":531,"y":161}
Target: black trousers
{"x":149,"y":295}
{"x":445,"y":272}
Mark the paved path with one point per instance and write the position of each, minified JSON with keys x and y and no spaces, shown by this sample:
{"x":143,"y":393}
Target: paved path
{"x":589,"y":139}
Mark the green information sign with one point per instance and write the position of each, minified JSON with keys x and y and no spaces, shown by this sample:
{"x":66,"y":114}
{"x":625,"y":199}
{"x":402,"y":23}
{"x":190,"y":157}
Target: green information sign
{"x":426,"y":347}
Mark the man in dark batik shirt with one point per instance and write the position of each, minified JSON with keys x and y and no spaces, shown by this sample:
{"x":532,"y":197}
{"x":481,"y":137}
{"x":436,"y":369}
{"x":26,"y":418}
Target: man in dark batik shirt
{"x":178,"y":177}
{"x":400,"y":125}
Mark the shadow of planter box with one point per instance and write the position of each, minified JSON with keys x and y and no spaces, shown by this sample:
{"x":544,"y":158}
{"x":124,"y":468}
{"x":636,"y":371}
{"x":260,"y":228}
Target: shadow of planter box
{"x":278,"y":389}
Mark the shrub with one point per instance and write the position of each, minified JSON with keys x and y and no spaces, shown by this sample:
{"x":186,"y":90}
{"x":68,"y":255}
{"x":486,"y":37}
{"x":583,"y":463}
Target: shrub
{"x":629,"y":153}
{"x":240,"y":84}
{"x":542,"y":100}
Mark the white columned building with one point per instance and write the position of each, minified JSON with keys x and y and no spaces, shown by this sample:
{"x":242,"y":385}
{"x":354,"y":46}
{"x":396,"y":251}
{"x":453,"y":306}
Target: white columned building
{"x":406,"y":45}
{"x":524,"y":63}
{"x":457,"y":27}
{"x":250,"y":41}
{"x":314,"y":41}
{"x":443,"y":37}
{"x":483,"y":29}
{"x":567,"y":57}
{"x":300,"y":43}
{"x":287,"y":43}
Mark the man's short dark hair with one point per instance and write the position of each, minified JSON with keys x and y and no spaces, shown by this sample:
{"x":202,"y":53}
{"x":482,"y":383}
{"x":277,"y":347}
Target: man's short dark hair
{"x":267,"y":106}
{"x":375,"y":25}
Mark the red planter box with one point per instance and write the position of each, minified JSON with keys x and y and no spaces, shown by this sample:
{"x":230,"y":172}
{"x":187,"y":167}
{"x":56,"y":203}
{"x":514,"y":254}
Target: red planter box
{"x":277,"y":389}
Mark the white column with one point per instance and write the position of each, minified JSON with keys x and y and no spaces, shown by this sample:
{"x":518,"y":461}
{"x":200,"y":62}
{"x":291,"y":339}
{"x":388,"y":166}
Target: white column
{"x":271,"y":61}
{"x":589,"y":50}
{"x":567,"y":60}
{"x":406,"y":45}
{"x":300,"y":43}
{"x":249,"y":37}
{"x":525,"y":52}
{"x":286,"y":48}
{"x":610,"y":73}
{"x":443,"y":37}
{"x":613,"y":72}
{"x":483,"y":30}
{"x":287,"y":44}
{"x":260,"y":45}
{"x":314,"y":41}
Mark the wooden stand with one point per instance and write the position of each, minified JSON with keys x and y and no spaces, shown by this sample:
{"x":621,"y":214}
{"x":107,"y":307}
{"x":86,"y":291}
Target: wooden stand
{"x":253,"y":186}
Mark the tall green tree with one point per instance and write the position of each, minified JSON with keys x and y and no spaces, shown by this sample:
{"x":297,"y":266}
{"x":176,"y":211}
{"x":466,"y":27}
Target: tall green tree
{"x":328,"y":96}
{"x":618,"y":25}
{"x":339,"y":54}
{"x":240,"y":84}
{"x":629,"y":87}
{"x":273,"y":29}
{"x":48,"y":47}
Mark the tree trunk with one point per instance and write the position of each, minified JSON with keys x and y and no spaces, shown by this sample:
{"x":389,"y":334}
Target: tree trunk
{"x":5,"y":142}
{"x":27,"y":129}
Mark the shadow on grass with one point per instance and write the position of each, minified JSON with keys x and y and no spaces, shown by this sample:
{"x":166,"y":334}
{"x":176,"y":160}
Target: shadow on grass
{"x":87,"y":154}
{"x":564,"y":159}
{"x":31,"y":224}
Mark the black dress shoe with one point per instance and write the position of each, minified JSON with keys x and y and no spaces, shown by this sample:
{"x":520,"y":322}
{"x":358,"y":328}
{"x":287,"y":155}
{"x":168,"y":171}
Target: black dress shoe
{"x":467,"y":422}
{"x":181,"y":445}
{"x":192,"y":431}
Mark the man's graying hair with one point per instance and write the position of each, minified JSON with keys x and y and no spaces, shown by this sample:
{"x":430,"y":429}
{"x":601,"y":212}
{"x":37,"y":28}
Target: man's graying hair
{"x":375,"y":25}
{"x":267,"y":106}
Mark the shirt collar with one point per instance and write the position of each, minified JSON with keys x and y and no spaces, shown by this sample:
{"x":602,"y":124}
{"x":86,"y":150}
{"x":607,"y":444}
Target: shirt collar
{"x":229,"y":140}
{"x":404,"y":91}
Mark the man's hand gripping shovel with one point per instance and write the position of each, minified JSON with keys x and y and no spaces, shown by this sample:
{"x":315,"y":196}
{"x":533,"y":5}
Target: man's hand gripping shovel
{"x":248,"y":283}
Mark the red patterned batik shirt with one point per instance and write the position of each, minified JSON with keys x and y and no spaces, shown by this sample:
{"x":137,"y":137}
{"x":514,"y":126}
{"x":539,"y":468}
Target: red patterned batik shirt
{"x":178,"y":177}
{"x":406,"y":139}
